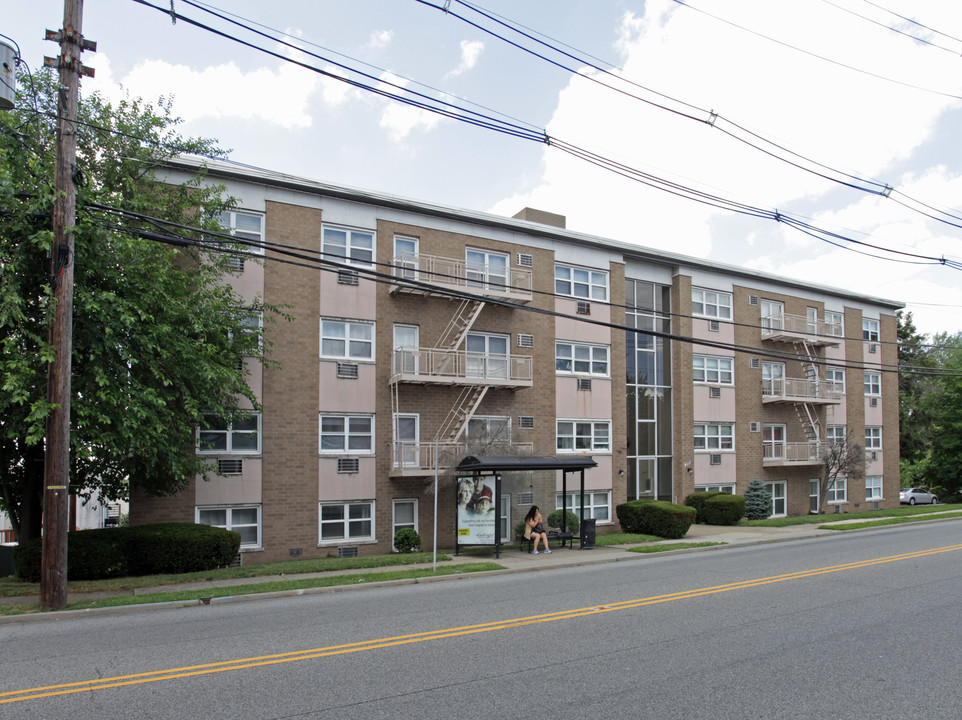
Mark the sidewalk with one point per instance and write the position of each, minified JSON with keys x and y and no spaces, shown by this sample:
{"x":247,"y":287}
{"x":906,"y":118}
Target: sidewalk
{"x":512,"y":560}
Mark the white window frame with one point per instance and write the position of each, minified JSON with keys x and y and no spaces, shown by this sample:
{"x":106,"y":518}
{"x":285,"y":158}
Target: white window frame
{"x":346,"y":521}
{"x":873,"y":437}
{"x":713,"y":369}
{"x":772,"y":442}
{"x":478,"y":271}
{"x":229,"y":433}
{"x":837,"y":491}
{"x":772,"y":314}
{"x":730,"y":489}
{"x":593,"y":360}
{"x":229,"y":218}
{"x":395,"y":525}
{"x":505,"y":518}
{"x":229,"y":523}
{"x":354,"y":251}
{"x":873,"y":488}
{"x":835,"y":317}
{"x":836,"y":375}
{"x":581,"y":283}
{"x":351,"y":431}
{"x":406,"y":267}
{"x":814,"y":490}
{"x":407,"y":451}
{"x":714,"y":437}
{"x":597,"y":504}
{"x":870,"y":330}
{"x":711,"y":303}
{"x":487,"y":364}
{"x":593,"y":436}
{"x":779,"y":491}
{"x":500,"y":423}
{"x":835,"y":434}
{"x":873,"y":383}
{"x":351,"y":336}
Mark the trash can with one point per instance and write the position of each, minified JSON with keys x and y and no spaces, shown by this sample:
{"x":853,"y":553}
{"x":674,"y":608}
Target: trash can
{"x":6,"y":559}
{"x":588,"y":533}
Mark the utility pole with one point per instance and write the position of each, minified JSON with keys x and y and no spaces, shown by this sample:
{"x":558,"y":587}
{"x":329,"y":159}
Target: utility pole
{"x":53,"y":576}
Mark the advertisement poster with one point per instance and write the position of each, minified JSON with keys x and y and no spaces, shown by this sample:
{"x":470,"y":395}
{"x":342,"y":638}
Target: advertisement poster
{"x":476,"y":511}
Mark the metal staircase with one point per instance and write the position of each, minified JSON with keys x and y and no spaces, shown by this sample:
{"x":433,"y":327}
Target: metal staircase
{"x":461,"y":322}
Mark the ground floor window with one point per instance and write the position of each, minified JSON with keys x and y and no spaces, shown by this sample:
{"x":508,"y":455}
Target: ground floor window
{"x":716,"y":488}
{"x":597,"y":504}
{"x":873,"y":487}
{"x":405,"y":515}
{"x":346,"y":521}
{"x":813,"y":488}
{"x":779,"y":506}
{"x":838,"y":490}
{"x":243,"y":519}
{"x":505,"y":518}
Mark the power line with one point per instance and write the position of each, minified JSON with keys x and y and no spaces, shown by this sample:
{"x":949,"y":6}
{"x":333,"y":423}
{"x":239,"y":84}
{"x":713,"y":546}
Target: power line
{"x":915,"y":38}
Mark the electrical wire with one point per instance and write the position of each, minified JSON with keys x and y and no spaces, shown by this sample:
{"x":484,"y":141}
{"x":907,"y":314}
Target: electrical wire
{"x":913,"y":22}
{"x":915,"y":38}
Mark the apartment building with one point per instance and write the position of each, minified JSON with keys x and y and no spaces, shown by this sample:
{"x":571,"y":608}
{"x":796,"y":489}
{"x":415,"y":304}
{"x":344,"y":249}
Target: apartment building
{"x":422,"y":334}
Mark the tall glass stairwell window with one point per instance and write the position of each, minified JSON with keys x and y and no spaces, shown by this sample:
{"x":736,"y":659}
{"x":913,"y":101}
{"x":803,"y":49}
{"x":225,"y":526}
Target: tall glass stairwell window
{"x":648,"y":362}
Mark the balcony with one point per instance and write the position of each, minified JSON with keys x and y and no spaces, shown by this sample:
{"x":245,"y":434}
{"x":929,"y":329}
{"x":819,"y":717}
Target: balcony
{"x":459,"y":367}
{"x":429,"y":274}
{"x":794,"y":454}
{"x":417,"y":459}
{"x":801,"y":390}
{"x":798,"y":328}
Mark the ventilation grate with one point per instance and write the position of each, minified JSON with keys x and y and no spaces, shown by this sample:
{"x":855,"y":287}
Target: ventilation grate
{"x":525,"y":498}
{"x":348,"y":466}
{"x":753,"y":299}
{"x":235,"y":263}
{"x":347,"y":277}
{"x":347,"y":551}
{"x":526,"y":422}
{"x":525,"y":260}
{"x":584,"y":384}
{"x":584,"y":308}
{"x":714,"y":392}
{"x":754,"y":363}
{"x":230,"y":466}
{"x":347,"y":370}
{"x":525,"y":340}
{"x":873,"y":348}
{"x":713,"y":326}
{"x":873,"y":402}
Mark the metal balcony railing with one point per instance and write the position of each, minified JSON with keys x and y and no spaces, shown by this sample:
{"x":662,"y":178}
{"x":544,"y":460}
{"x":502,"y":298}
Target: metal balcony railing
{"x":459,"y":367}
{"x":801,"y":390}
{"x":792,"y":453}
{"x":478,"y":278}
{"x":416,"y":458}
{"x":800,"y":327}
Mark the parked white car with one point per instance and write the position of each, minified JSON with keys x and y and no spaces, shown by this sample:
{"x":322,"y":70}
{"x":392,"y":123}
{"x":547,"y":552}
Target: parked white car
{"x":915,"y":496}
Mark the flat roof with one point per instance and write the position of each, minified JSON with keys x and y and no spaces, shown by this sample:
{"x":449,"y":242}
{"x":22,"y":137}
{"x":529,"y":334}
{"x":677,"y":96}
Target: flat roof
{"x":503,"y":463}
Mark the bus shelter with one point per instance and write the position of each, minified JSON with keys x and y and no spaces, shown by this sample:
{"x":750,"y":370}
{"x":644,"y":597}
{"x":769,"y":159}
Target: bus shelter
{"x":479,"y":493}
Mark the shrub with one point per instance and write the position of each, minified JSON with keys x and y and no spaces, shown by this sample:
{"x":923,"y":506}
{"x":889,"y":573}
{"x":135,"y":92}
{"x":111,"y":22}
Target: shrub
{"x":407,"y":540}
{"x":723,"y":509}
{"x":758,"y":501}
{"x":697,"y":500}
{"x":573,"y":521}
{"x":180,"y":548}
{"x":655,"y":517}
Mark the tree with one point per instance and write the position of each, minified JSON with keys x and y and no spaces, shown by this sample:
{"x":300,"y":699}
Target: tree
{"x":915,"y":418}
{"x":842,"y":458}
{"x":758,"y":500}
{"x":157,"y":333}
{"x":939,"y":468}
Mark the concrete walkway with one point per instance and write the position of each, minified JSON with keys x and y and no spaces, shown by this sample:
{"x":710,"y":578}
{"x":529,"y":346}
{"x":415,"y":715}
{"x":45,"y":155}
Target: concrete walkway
{"x":512,"y":560}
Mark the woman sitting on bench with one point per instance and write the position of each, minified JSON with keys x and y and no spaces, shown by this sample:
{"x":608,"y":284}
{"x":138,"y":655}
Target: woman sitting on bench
{"x":534,"y":530}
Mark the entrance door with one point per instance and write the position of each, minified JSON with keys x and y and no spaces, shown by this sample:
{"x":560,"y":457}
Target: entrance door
{"x":407,"y":451}
{"x":406,"y":340}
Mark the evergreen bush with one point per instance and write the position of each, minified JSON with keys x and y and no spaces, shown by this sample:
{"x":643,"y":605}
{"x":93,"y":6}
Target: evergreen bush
{"x":723,"y":509}
{"x":758,"y":501}
{"x":407,"y":540}
{"x":655,"y":517}
{"x":572,"y":525}
{"x":697,"y":500}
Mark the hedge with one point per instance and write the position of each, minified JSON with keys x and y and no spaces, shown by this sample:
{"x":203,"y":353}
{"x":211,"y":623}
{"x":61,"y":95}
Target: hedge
{"x":697,"y":500}
{"x":140,"y":550}
{"x":724,"y":509}
{"x":655,"y":517}
{"x":572,"y":524}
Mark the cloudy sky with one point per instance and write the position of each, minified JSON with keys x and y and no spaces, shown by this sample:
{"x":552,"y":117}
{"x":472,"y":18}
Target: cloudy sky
{"x":865,"y":91}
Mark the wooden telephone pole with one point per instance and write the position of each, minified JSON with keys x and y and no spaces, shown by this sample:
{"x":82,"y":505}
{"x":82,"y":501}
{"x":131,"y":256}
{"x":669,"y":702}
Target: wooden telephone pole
{"x":53,"y":577}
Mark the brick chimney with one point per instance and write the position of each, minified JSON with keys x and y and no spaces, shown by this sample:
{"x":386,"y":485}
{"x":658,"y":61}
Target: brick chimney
{"x":541,"y":216}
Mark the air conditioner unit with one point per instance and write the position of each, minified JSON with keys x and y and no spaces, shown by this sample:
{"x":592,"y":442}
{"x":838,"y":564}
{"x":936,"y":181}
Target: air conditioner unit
{"x":584,"y":308}
{"x":714,"y":459}
{"x":714,"y":392}
{"x":755,"y":427}
{"x":347,"y":277}
{"x":348,"y":466}
{"x":713,"y":326}
{"x":872,"y":348}
{"x":754,"y":363}
{"x":347,"y":370}
{"x":873,"y":402}
{"x":230,"y":466}
{"x":873,"y":456}
{"x":584,"y":384}
{"x":235,"y":263}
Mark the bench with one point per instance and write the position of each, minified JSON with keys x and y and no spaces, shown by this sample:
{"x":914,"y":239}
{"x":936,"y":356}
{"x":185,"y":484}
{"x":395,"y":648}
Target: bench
{"x":555,"y":537}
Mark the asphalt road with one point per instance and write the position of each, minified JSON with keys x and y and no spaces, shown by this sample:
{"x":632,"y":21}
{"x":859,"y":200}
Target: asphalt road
{"x":860,"y":625}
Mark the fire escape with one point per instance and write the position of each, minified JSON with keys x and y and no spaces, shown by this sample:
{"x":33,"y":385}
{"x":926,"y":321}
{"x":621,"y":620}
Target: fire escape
{"x":808,"y":394}
{"x":452,"y":361}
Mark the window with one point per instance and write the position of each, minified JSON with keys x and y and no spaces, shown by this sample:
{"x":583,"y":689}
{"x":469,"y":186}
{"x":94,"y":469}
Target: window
{"x":406,"y":257}
{"x":243,"y":519}
{"x":838,"y":490}
{"x":486,"y":269}
{"x":730,"y":489}
{"x":773,"y":378}
{"x":873,"y":487}
{"x":710,"y":369}
{"x":482,"y":429}
{"x":405,"y":516}
{"x":813,"y":496}
{"x":597,"y":504}
{"x":714,"y":436}
{"x":779,"y":498}
{"x":870,"y":330}
{"x":873,"y":438}
{"x":835,"y":434}
{"x":487,"y":355}
{"x":347,"y":340}
{"x":581,"y":359}
{"x":407,"y":447}
{"x":354,"y":247}
{"x":241,"y":436}
{"x":584,"y":435}
{"x":837,"y":376}
{"x":246,"y":225}
{"x":773,"y":442}
{"x":773,"y":315}
{"x":346,"y":521}
{"x":406,"y":354}
{"x":347,"y":434}
{"x":505,"y":518}
{"x":873,"y":383}
{"x":581,"y":283}
{"x":710,"y":303}
{"x":834,"y":322}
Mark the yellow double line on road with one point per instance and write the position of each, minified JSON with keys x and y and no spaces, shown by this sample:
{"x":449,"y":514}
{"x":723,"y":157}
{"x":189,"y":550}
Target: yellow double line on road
{"x":265,"y":660}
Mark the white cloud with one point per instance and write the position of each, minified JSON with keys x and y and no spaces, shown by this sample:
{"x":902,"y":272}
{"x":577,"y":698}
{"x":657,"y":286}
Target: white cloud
{"x":380,"y":39}
{"x":470,"y":52}
{"x":278,"y":97}
{"x":401,"y":120}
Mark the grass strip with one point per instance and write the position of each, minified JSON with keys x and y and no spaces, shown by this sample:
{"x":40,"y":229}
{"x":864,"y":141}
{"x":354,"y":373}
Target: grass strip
{"x":665,"y":547}
{"x":624,"y":539}
{"x":277,"y":586}
{"x":908,"y":510}
{"x":886,"y":521}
